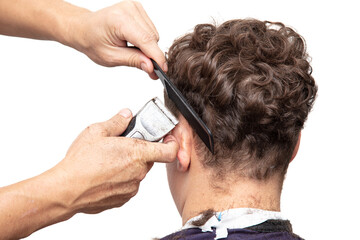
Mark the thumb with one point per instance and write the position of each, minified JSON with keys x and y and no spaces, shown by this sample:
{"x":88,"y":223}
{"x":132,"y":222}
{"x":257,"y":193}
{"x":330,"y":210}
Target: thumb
{"x":159,"y":152}
{"x":118,"y":123}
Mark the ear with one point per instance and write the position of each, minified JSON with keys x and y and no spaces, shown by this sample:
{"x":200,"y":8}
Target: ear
{"x":296,"y":148}
{"x":183,"y":133}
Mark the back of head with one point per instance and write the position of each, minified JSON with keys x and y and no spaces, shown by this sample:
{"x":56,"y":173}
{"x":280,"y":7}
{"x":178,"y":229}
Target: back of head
{"x":250,"y":82}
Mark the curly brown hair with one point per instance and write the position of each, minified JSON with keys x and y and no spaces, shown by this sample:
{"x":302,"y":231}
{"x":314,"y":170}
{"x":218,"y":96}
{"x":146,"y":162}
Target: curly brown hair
{"x":250,"y":81}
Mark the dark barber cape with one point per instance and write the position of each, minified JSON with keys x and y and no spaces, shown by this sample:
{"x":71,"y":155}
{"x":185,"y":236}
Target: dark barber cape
{"x":269,"y":230}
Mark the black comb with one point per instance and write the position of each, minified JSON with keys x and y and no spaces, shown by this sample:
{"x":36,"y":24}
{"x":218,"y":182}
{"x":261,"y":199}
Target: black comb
{"x":186,"y":110}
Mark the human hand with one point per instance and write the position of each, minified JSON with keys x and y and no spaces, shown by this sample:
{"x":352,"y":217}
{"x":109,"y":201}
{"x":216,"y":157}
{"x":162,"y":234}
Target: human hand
{"x":103,"y":170}
{"x":104,"y":36}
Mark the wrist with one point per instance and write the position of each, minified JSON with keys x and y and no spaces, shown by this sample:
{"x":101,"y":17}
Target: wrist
{"x":59,"y":192}
{"x":69,"y":187}
{"x":71,"y":27}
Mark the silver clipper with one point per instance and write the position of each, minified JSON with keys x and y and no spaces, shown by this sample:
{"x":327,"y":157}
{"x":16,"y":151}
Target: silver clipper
{"x":152,"y":122}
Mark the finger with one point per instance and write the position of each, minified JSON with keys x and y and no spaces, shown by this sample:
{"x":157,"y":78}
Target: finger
{"x":153,"y":76}
{"x":146,"y":41}
{"x":117,"y":124}
{"x":132,"y":57}
{"x":159,"y":152}
{"x":146,"y":18}
{"x":145,"y":64}
{"x":153,"y":51}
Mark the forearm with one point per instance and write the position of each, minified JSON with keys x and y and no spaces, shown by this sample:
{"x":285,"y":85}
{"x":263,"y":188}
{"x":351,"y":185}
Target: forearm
{"x":33,"y":204}
{"x":100,"y":171}
{"x":39,"y":19}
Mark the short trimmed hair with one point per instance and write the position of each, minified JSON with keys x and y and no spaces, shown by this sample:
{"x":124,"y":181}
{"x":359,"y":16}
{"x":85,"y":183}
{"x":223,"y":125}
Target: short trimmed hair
{"x":250,"y":82}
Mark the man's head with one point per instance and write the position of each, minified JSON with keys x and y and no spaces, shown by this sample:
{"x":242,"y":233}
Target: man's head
{"x":250,"y":82}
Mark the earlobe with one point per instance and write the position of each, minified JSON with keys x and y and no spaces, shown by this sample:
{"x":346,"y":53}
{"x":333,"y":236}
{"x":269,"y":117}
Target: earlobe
{"x":183,"y":134}
{"x":183,"y":160}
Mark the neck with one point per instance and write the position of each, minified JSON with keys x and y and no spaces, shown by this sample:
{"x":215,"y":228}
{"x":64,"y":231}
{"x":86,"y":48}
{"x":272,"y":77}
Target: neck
{"x":203,"y":194}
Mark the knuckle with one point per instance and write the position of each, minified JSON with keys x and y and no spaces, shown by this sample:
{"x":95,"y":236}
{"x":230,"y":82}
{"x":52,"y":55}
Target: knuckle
{"x":149,"y":37}
{"x":96,"y":129}
{"x":133,"y":193}
{"x":139,"y":146}
{"x":117,"y":123}
{"x":133,"y":60}
{"x":141,"y":175}
{"x":157,"y":36}
{"x":137,"y":3}
{"x":119,"y":13}
{"x":126,"y":4}
{"x":134,"y":189}
{"x":109,"y":60}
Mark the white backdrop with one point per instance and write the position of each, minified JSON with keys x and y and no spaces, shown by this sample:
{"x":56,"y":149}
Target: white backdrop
{"x":49,"y":93}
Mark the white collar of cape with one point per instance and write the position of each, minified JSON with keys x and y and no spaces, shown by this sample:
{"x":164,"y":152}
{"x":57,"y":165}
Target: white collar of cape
{"x":234,"y":218}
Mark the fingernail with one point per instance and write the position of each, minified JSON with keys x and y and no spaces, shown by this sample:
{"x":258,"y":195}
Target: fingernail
{"x":165,"y":67}
{"x":126,"y":113}
{"x":143,"y":67}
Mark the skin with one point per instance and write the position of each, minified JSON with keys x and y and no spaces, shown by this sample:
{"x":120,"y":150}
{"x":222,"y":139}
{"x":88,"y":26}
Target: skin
{"x":102,"y":35}
{"x":100,"y":170}
{"x":194,"y":189}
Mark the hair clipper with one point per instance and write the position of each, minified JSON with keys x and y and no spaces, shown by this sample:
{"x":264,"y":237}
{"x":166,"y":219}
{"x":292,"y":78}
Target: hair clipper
{"x":152,"y":122}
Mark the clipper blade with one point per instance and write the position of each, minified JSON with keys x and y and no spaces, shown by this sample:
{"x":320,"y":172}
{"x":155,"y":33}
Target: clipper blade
{"x":152,"y":122}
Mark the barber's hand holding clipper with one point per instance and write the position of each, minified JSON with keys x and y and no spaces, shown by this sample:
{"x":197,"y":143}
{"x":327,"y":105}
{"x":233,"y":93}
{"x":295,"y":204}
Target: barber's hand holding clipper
{"x":101,"y":170}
